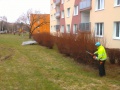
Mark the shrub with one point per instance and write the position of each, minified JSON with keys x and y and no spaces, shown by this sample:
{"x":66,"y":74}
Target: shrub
{"x":76,"y":46}
{"x":44,"y":39}
{"x":118,"y":56}
{"x":114,"y":55}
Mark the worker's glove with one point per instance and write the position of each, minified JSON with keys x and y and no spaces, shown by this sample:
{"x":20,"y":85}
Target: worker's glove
{"x":95,"y":57}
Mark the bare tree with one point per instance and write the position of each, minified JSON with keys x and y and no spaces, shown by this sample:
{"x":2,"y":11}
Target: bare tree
{"x":3,"y":18}
{"x":3,"y":23}
{"x":31,"y":18}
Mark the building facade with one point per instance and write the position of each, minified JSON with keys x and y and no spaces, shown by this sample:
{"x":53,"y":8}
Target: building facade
{"x":100,"y":16}
{"x":65,"y":16}
{"x":105,"y":20}
{"x":40,"y":23}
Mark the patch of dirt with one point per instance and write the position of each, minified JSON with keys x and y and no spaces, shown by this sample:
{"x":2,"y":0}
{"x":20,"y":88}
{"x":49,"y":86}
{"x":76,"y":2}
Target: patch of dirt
{"x":6,"y":53}
{"x":5,"y":57}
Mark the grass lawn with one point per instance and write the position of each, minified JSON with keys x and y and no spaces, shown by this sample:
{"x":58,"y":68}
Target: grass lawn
{"x":34,"y":67}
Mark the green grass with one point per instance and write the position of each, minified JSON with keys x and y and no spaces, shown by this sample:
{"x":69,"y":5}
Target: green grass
{"x":34,"y":67}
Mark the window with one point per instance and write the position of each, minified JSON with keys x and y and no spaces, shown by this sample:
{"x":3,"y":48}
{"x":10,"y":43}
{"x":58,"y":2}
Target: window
{"x":75,"y":28}
{"x":62,"y":29}
{"x":68,"y":28}
{"x":54,"y":27}
{"x":54,"y":16}
{"x":62,"y":1}
{"x":51,"y":6}
{"x":117,"y":30}
{"x":99,"y":4}
{"x":54,"y":6}
{"x":75,"y":10}
{"x":117,"y":2}
{"x":62,"y":16}
{"x":51,"y":18}
{"x":99,"y":29}
{"x":68,"y":12}
{"x":51,"y":29}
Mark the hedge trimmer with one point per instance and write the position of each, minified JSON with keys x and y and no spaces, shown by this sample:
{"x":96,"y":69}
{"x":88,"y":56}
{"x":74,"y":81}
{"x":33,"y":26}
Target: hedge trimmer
{"x":93,"y":55}
{"x":90,"y":53}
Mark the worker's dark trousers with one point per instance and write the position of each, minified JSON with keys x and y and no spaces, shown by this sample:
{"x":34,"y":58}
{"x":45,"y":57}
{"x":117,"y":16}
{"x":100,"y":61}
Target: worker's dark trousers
{"x":102,"y":68}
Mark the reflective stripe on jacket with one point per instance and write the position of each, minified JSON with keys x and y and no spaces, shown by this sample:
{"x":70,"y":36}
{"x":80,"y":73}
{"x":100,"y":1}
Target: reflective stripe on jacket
{"x":101,"y":53}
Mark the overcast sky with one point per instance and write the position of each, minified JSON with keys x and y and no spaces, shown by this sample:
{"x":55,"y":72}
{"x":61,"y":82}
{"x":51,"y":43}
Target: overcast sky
{"x":12,"y":9}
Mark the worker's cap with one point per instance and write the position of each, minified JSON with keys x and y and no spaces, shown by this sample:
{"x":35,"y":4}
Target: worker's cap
{"x":97,"y":44}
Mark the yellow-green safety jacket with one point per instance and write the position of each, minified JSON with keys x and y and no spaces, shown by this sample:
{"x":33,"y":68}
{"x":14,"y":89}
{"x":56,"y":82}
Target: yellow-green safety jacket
{"x":101,"y":52}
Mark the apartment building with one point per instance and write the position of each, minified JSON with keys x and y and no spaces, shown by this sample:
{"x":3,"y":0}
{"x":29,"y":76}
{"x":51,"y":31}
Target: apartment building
{"x":40,"y":23}
{"x":100,"y":16}
{"x":105,"y":20}
{"x":65,"y":16}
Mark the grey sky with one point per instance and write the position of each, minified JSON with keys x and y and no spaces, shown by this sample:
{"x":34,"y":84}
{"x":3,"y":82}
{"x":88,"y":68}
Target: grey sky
{"x":12,"y":9}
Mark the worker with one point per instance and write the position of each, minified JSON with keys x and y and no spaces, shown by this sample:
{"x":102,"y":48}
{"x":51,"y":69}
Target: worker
{"x":101,"y":57}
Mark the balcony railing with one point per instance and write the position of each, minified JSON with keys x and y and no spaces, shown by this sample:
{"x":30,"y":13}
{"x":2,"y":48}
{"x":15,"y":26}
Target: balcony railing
{"x":85,"y":26}
{"x":57,"y":14}
{"x":57,"y":27}
{"x":57,"y":2}
{"x":86,"y":4}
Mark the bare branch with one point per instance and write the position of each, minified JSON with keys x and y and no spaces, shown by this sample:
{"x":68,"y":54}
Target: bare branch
{"x":32,"y":18}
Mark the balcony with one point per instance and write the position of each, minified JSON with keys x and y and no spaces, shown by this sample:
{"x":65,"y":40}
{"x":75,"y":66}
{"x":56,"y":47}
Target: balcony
{"x":57,"y":27}
{"x":57,"y":14}
{"x":85,"y":26}
{"x":85,"y":5}
{"x":57,"y":2}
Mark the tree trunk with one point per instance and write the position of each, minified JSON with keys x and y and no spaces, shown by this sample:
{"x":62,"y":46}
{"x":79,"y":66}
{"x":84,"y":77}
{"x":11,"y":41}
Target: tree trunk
{"x":30,"y":35}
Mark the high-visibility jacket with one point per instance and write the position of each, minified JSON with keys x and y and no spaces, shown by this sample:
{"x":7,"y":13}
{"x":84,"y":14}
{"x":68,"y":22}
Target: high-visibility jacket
{"x":101,"y":52}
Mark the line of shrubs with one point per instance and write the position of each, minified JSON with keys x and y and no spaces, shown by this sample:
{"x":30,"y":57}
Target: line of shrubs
{"x":76,"y":45}
{"x":44,"y":39}
{"x":114,"y":55}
